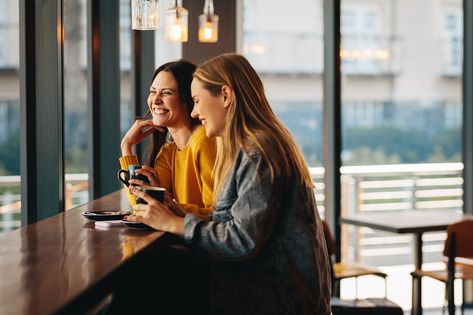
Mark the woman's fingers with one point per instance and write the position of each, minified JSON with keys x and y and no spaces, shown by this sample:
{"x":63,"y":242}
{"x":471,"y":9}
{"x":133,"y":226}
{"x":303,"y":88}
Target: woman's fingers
{"x":150,"y":173}
{"x":148,"y":169}
{"x":134,"y":218}
{"x":145,"y":170}
{"x":139,"y":182}
{"x":146,"y":127}
{"x":161,"y":129}
{"x":168,"y":197}
{"x":142,"y":195}
{"x":140,"y":129}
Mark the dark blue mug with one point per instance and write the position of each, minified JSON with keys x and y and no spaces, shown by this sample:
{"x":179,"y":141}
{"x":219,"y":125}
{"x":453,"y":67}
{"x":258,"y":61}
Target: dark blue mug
{"x":155,"y":192}
{"x":125,"y":175}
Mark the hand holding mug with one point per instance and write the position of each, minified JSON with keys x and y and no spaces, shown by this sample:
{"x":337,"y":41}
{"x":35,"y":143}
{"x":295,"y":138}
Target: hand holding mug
{"x":126,"y":175}
{"x":155,"y":214}
{"x":150,"y":173}
{"x":157,"y":193}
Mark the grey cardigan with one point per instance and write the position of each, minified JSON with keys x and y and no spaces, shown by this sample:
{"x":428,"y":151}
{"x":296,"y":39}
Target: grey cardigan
{"x":266,"y":244}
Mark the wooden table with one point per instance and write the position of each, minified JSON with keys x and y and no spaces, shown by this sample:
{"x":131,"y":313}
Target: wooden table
{"x":63,"y":264}
{"x":416,"y":222}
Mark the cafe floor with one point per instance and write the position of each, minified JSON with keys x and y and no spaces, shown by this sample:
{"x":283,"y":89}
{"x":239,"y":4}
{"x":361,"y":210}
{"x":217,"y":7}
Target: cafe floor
{"x":399,"y":289}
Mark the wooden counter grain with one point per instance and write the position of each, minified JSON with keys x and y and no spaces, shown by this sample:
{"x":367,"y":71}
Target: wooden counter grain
{"x":63,"y":264}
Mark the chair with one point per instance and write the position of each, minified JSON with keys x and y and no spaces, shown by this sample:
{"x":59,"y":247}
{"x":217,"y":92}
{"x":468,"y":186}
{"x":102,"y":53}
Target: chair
{"x":459,"y":253}
{"x":347,"y":270}
{"x":368,"y":306}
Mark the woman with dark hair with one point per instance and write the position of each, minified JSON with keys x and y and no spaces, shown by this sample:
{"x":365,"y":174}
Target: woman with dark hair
{"x":180,"y":157}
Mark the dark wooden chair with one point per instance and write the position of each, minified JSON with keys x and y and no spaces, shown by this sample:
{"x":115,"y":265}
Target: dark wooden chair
{"x":347,"y":270}
{"x":458,"y":251}
{"x":376,"y":306}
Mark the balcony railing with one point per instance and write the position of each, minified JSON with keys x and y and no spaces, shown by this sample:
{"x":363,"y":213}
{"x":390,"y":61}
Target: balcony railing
{"x":413,"y":187}
{"x":76,"y":193}
{"x":299,"y":53}
{"x":364,"y":188}
{"x":369,"y":55}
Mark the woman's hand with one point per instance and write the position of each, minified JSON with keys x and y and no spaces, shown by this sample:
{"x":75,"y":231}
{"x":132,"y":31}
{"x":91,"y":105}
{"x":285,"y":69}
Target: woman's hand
{"x":140,"y":129}
{"x":156,"y":214}
{"x":150,"y":173}
{"x":174,"y":207}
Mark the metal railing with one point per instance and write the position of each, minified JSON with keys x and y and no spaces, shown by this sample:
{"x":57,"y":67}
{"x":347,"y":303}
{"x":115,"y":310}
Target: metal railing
{"x":302,"y":53}
{"x":412,"y":187}
{"x":76,"y":193}
{"x":374,"y":188}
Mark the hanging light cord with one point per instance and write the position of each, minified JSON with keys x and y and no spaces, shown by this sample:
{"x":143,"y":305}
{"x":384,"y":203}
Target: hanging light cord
{"x":177,"y":9}
{"x":208,"y":9}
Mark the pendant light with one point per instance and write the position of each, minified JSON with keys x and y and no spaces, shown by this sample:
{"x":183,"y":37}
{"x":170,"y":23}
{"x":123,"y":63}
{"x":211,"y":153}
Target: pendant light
{"x":144,"y":14}
{"x":208,"y":24}
{"x":176,"y":23}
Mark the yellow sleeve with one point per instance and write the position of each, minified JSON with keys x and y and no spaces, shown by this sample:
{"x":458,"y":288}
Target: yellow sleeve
{"x":194,"y":209}
{"x":125,"y":161}
{"x":163,"y":167}
{"x":205,"y":152}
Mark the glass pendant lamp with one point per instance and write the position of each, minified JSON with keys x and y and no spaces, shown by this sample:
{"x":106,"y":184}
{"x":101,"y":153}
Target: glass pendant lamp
{"x":144,"y":14}
{"x":176,"y":23}
{"x":208,"y":24}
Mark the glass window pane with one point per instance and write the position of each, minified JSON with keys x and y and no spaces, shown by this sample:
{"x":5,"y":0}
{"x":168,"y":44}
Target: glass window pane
{"x":75,"y":103}
{"x":126,"y":107}
{"x":165,"y":50}
{"x":402,"y":120}
{"x":10,"y":207}
{"x":168,"y":51}
{"x":288,"y":56}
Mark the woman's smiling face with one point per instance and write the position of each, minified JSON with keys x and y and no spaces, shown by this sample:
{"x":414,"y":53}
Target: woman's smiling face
{"x":209,"y":109}
{"x":164,"y":101}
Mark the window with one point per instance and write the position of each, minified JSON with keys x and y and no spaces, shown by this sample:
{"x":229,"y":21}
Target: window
{"x":75,"y":103}
{"x":10,"y":207}
{"x":126,"y":107}
{"x":292,"y":46}
{"x":397,"y":110}
{"x":453,"y":24}
{"x":365,"y":45}
{"x":288,"y":56}
{"x":165,"y":50}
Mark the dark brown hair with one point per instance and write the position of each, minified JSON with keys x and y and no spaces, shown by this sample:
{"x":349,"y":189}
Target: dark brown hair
{"x":182,"y":72}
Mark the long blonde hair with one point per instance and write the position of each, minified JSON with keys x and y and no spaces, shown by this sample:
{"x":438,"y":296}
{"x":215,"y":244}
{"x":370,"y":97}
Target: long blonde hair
{"x":250,"y":122}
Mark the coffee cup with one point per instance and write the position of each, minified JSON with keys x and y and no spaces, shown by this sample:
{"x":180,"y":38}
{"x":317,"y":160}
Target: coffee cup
{"x":125,"y":175}
{"x":155,"y":192}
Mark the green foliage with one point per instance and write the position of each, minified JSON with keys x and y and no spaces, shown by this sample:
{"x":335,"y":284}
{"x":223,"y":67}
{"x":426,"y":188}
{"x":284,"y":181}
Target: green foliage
{"x":360,"y":156}
{"x":390,"y":145}
{"x":76,"y":160}
{"x":10,"y":156}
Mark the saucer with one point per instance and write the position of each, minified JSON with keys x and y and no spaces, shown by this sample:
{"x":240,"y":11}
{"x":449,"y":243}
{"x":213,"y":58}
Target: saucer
{"x":105,"y":215}
{"x":136,"y":225}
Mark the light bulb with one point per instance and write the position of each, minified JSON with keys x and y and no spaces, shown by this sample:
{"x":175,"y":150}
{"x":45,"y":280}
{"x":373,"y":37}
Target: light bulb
{"x":208,"y":27}
{"x":176,"y":23}
{"x":207,"y":33}
{"x":176,"y":32}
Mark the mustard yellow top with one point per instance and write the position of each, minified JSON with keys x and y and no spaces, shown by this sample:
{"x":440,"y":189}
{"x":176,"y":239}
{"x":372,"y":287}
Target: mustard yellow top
{"x":186,"y":173}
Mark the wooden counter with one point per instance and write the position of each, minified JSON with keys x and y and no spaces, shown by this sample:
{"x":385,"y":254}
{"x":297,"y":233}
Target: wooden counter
{"x":64,"y":264}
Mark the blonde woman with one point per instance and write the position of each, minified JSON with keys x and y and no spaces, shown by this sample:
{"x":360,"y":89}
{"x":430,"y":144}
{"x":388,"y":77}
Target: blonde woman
{"x":264,"y":238}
